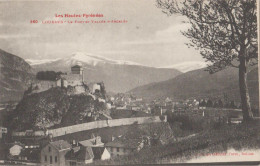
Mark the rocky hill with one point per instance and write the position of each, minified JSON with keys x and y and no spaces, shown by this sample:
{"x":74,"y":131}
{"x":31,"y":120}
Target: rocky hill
{"x":201,"y":84}
{"x":16,"y":75}
{"x":53,"y":107}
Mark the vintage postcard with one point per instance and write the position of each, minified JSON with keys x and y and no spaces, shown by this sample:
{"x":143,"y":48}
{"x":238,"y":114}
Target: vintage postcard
{"x":129,"y":82}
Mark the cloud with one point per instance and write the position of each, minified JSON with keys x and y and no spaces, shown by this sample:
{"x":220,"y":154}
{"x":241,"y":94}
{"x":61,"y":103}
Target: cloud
{"x":169,"y":35}
{"x":174,"y":30}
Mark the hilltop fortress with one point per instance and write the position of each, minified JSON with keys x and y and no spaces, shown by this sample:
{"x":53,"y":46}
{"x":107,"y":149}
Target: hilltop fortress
{"x":74,"y":81}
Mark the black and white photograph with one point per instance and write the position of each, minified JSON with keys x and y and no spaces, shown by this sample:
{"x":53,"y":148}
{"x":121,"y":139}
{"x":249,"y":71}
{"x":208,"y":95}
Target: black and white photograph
{"x":129,"y":82}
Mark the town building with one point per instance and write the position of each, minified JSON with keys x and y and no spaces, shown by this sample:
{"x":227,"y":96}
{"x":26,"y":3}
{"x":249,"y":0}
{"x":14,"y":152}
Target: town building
{"x":120,"y":146}
{"x":101,"y":153}
{"x":80,"y":155}
{"x":54,"y":153}
{"x":93,"y":87}
{"x":30,"y":155}
{"x":93,"y":142}
{"x":86,"y":151}
{"x":15,"y":149}
{"x":3,"y":131}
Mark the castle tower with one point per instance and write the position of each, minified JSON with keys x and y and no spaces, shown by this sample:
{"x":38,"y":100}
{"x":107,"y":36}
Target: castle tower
{"x":76,"y":69}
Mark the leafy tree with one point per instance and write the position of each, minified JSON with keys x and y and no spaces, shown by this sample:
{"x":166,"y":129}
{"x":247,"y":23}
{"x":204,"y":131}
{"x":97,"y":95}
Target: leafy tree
{"x":102,"y":89}
{"x":225,"y":32}
{"x":202,"y":103}
{"x":48,"y":75}
{"x":215,"y":104}
{"x":209,"y":103}
{"x":232,"y":105}
{"x":220,"y":103}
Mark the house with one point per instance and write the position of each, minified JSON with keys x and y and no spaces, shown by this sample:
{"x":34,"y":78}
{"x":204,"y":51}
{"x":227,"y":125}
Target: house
{"x":32,"y":155}
{"x":109,"y":105}
{"x":93,"y":87}
{"x":15,"y":149}
{"x":80,"y":155}
{"x":87,"y":151}
{"x":54,"y":153}
{"x":133,"y":107}
{"x":3,"y":131}
{"x":101,"y":153}
{"x":121,"y":146}
{"x":121,"y":107}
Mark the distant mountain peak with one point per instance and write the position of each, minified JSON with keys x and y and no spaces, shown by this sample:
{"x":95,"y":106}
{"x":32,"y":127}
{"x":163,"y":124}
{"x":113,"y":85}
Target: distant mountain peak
{"x":33,"y":62}
{"x":83,"y":58}
{"x":95,"y":59}
{"x":188,"y":66}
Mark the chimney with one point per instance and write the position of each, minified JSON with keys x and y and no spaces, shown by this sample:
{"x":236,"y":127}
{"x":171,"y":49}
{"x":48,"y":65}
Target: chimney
{"x":113,"y":138}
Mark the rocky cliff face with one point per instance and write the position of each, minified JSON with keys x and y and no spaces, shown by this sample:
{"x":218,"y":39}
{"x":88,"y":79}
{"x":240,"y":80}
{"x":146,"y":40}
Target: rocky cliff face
{"x":54,"y":107}
{"x":16,"y":75}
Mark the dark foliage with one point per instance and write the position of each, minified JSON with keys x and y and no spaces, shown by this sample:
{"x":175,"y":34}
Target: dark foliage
{"x":48,"y":75}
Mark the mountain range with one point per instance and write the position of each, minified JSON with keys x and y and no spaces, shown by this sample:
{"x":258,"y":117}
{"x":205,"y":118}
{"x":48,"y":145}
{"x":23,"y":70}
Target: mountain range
{"x":123,"y":76}
{"x":187,"y":66}
{"x":200,"y":84}
{"x":117,"y":75}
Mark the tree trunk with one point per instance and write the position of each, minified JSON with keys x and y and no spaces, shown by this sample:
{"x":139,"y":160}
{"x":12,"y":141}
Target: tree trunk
{"x":245,"y":99}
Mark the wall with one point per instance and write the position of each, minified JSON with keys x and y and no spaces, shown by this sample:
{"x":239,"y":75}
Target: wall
{"x":96,"y":124}
{"x":44,"y":85}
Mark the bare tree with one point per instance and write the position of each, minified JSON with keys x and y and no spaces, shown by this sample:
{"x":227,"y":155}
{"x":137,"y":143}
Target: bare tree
{"x":225,"y":33}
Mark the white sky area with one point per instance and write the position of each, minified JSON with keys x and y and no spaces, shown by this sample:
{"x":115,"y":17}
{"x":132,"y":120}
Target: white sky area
{"x":150,"y":37}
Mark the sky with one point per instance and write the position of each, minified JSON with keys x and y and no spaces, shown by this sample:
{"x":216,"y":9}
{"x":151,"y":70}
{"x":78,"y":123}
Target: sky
{"x":149,"y":36}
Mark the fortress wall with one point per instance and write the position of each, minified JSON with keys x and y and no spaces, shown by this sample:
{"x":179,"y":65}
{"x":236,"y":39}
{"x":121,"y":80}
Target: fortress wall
{"x":94,"y":125}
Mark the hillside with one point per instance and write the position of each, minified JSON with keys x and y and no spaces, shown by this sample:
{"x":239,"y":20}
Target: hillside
{"x":244,"y":138}
{"x":50,"y":108}
{"x":15,"y":77}
{"x":118,"y":76}
{"x":201,"y":84}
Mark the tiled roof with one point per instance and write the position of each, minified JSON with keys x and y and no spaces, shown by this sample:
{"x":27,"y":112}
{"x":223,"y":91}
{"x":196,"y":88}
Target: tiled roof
{"x":84,"y":153}
{"x":96,"y":141}
{"x":61,"y":145}
{"x":98,"y":151}
{"x":86,"y":143}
